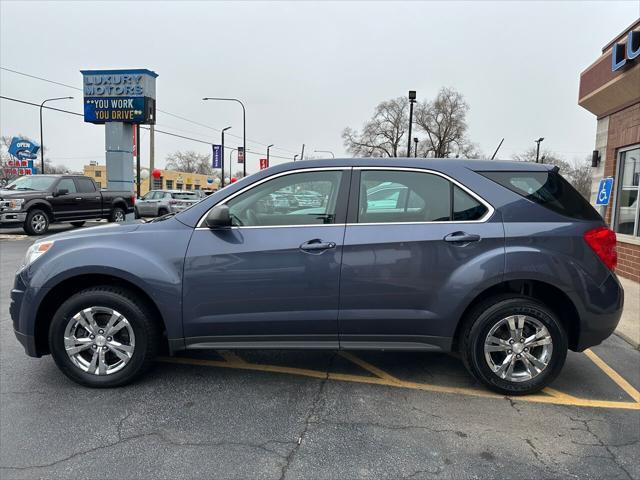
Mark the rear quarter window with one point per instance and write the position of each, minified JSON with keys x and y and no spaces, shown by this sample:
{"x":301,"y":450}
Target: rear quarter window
{"x":548,"y":189}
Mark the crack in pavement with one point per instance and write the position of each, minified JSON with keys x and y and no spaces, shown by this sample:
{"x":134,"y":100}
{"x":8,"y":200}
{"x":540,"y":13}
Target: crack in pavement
{"x":160,"y":436}
{"x":611,"y":456}
{"x":308,"y":422}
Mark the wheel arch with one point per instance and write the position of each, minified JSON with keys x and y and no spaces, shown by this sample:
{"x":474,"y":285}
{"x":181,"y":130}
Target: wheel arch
{"x":58,"y":294}
{"x":550,"y":295}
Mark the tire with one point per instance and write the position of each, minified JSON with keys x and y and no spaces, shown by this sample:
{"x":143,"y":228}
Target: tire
{"x":78,"y":224}
{"x":37,"y":222}
{"x":140,"y":335}
{"x":136,"y":214}
{"x":118,"y":215}
{"x":537,"y":319}
{"x":162,"y":211}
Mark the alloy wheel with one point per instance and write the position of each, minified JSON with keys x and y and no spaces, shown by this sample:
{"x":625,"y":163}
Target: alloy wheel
{"x":99,"y":340}
{"x":118,"y":216}
{"x":38,"y":222}
{"x":518,"y":348}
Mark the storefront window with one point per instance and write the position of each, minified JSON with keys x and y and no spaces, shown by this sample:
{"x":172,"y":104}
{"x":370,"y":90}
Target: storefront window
{"x":626,"y":216}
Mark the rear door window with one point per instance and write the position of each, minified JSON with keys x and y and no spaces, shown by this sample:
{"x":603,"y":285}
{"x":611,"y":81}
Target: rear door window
{"x":85,"y":185}
{"x":548,"y":189}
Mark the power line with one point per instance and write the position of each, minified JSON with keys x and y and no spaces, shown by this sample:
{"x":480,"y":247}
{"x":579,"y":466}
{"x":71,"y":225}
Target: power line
{"x":158,"y":109}
{"x":164,"y":132}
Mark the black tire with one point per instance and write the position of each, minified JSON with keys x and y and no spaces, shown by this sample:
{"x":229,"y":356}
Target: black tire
{"x":136,"y":215}
{"x":35,"y":218}
{"x":147,"y":335}
{"x":78,"y":224}
{"x":116,"y":214}
{"x":162,"y":211}
{"x":485,"y":316}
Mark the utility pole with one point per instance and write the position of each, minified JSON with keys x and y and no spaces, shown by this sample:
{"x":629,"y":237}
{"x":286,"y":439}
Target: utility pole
{"x":412,"y":100}
{"x":538,"y":142}
{"x":222,"y":156}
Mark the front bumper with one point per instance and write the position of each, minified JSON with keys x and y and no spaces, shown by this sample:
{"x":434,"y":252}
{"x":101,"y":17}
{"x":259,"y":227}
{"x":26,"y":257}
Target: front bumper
{"x":12,"y":217}
{"x":16,"y":310}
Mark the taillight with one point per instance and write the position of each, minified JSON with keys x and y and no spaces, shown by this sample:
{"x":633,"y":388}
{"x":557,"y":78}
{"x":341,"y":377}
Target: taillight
{"x":133,"y":199}
{"x":602,"y":241}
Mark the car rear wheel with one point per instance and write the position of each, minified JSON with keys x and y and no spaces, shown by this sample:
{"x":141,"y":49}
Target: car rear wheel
{"x":513,"y":344}
{"x":117,"y":215}
{"x":103,"y":337}
{"x":37,"y":222}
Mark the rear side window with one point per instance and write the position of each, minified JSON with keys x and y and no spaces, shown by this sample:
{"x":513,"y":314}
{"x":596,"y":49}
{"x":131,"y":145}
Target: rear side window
{"x":85,"y":185}
{"x":184,"y":196}
{"x":548,"y":189}
{"x":389,"y":196}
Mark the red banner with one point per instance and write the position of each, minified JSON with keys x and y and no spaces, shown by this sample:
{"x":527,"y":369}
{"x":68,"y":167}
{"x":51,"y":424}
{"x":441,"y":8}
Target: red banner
{"x":264,"y":163}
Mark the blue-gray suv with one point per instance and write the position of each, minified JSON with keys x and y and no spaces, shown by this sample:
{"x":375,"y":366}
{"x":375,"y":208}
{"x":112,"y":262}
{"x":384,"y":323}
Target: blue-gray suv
{"x":502,"y":262}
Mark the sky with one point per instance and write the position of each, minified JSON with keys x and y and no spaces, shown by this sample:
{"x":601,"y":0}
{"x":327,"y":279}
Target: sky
{"x":307,"y":70}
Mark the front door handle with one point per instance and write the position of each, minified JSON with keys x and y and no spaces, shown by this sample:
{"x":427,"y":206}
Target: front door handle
{"x":78,"y":198}
{"x":316,"y":245}
{"x":461,"y":237}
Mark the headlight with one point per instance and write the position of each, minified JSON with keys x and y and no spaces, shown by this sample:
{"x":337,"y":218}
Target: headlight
{"x":12,"y":204}
{"x":36,"y":250}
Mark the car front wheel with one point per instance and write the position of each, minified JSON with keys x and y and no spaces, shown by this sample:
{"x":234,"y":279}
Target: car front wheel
{"x":515,"y":345}
{"x":103,"y":337}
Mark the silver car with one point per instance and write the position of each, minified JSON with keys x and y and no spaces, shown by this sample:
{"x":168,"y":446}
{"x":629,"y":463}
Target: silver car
{"x":160,"y":202}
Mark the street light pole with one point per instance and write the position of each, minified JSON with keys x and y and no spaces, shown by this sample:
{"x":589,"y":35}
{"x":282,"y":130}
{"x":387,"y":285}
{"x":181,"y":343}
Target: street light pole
{"x":538,"y":142}
{"x":412,"y":100}
{"x":268,"y":147}
{"x":325,"y":151}
{"x":296,"y":156}
{"x":41,"y":134}
{"x":244,"y":128}
{"x":222,"y":154}
{"x":415,"y":148}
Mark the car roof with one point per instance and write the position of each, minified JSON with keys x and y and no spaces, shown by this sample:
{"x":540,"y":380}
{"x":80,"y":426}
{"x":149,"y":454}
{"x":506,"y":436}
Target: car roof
{"x":406,"y":162}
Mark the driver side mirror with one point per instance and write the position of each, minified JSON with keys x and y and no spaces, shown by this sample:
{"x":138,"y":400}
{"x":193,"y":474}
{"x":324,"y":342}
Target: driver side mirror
{"x":218,"y":217}
{"x":61,"y":191}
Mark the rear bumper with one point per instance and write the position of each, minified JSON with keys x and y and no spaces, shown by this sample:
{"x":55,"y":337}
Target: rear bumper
{"x":601,"y":313}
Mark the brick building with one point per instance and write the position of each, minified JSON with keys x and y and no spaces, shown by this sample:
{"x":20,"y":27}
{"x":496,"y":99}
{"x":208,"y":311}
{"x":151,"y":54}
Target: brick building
{"x":610,"y":89}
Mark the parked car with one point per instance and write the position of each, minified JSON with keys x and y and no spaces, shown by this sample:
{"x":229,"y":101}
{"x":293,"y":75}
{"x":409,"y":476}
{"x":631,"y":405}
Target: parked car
{"x":36,"y":201}
{"x":502,"y":262}
{"x":160,"y":202}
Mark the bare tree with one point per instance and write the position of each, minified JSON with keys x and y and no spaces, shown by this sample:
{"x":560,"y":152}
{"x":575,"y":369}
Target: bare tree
{"x":382,"y":135}
{"x":444,"y":122}
{"x":190,"y":162}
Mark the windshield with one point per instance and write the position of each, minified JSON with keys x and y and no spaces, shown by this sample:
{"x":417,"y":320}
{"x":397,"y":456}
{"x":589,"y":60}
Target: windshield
{"x":32,"y":182}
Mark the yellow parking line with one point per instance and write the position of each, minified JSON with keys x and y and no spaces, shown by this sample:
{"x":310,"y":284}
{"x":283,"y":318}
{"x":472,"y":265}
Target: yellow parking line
{"x":557,"y":393}
{"x":229,"y":356}
{"x":613,"y":375}
{"x":370,"y":368}
{"x":563,"y":399}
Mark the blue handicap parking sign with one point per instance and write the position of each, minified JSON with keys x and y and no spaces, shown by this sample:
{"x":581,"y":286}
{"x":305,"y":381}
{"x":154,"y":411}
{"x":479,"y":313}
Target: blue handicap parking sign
{"x":604,"y":191}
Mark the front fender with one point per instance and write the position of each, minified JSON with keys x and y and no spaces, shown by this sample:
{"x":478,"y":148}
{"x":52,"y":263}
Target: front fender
{"x":150,"y":257}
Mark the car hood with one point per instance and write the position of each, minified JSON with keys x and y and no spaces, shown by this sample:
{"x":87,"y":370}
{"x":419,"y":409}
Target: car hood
{"x":100,"y":230}
{"x":27,"y":194}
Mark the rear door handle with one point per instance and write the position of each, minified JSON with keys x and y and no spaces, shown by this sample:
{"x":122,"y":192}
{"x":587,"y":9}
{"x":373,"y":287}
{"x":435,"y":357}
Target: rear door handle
{"x":78,"y":198}
{"x":461,"y":237}
{"x":316,"y":245}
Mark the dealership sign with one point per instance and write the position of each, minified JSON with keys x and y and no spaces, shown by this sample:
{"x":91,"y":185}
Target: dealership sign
{"x":23,"y":149}
{"x":217,"y":156}
{"x":623,"y":54}
{"x":127,"y":96}
{"x":264,"y":163}
{"x":19,"y":167}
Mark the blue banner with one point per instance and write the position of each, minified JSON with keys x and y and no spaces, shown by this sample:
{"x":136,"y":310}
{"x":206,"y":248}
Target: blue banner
{"x":217,"y":156}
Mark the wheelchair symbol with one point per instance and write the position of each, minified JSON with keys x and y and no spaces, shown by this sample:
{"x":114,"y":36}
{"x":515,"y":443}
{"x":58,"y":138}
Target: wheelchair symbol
{"x":603,"y":195}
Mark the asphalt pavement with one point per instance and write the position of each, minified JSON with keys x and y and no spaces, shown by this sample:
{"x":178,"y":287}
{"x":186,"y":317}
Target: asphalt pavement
{"x":310,"y":414}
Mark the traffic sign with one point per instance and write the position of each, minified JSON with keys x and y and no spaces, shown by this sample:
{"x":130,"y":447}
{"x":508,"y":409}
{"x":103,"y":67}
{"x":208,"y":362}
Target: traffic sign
{"x":604,"y":191}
